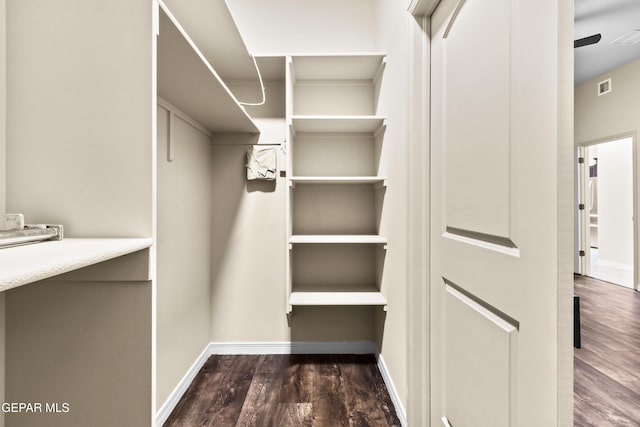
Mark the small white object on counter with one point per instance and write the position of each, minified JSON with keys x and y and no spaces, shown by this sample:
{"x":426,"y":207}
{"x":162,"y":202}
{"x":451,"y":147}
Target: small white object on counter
{"x":13,"y":222}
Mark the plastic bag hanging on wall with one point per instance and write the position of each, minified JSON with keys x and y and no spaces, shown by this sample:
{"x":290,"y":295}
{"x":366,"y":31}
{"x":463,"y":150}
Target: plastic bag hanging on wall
{"x":262,"y":163}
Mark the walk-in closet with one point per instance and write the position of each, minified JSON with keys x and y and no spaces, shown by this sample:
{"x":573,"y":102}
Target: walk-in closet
{"x":130,"y":124}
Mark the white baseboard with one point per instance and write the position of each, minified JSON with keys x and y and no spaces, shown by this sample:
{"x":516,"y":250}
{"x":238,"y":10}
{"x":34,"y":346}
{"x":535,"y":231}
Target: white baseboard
{"x":177,"y":393}
{"x":315,"y":347}
{"x":393,"y":392}
{"x":312,"y":347}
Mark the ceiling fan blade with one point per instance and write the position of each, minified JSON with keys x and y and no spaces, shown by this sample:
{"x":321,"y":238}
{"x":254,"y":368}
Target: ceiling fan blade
{"x":586,"y":41}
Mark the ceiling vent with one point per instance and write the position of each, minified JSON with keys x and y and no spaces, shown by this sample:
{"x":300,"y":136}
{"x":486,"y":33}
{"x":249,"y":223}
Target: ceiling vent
{"x":604,"y":87}
{"x":628,"y":39}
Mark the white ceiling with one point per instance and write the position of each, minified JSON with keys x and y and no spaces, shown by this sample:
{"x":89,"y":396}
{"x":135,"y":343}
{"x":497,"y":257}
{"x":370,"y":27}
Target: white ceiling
{"x":612,"y":19}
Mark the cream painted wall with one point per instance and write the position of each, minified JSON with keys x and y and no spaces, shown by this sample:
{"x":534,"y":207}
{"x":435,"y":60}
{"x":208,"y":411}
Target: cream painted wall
{"x":247,"y":290}
{"x":611,"y":115}
{"x":615,"y":113}
{"x":183,"y":245}
{"x":305,"y":26}
{"x":84,"y":343}
{"x":79,"y":115}
{"x":392,"y":25}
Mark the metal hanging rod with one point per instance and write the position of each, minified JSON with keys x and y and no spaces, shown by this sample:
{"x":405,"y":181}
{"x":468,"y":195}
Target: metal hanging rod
{"x":20,"y":234}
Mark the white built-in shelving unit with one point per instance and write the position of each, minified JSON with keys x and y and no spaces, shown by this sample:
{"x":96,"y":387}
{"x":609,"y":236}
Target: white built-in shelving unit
{"x":335,"y":195}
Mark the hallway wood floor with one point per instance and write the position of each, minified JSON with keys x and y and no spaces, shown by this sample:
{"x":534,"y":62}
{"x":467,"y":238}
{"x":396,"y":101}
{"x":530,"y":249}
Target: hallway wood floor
{"x":607,"y":367}
{"x":286,"y":390}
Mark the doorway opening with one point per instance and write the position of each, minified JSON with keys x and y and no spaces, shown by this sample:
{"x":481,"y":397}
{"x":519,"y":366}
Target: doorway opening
{"x":606,"y":202}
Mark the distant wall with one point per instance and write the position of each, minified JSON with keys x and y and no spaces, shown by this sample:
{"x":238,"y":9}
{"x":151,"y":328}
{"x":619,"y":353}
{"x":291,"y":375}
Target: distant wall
{"x":610,"y":115}
{"x":598,"y":117}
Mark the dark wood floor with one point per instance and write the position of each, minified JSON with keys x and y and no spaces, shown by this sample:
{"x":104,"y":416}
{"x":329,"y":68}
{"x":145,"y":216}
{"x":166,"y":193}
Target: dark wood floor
{"x":286,"y":390}
{"x":607,"y":367}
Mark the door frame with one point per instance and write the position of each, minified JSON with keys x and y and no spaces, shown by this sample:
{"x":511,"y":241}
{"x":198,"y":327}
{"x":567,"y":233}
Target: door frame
{"x":584,"y":221}
{"x":418,"y":255}
{"x":419,"y":206}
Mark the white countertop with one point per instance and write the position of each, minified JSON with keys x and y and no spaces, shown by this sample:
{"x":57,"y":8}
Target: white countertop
{"x":20,"y":265}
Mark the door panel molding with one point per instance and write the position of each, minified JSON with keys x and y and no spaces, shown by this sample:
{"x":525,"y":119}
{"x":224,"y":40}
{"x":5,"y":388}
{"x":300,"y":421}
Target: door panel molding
{"x":480,"y":168}
{"x":483,"y":243}
{"x":481,"y":305}
{"x":480,"y":354}
{"x":488,"y":238}
{"x":453,"y":18}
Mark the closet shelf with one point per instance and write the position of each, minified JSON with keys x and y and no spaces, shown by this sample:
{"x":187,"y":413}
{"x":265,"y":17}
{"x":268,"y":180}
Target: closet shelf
{"x":189,"y":82}
{"x":337,"y":124}
{"x":356,"y":238}
{"x":353,"y":66}
{"x":337,"y":298}
{"x":29,"y":263}
{"x":211,"y":26}
{"x":377,"y":181}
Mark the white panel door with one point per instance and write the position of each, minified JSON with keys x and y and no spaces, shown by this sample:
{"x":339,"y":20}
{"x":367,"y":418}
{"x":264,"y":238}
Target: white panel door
{"x":496,"y":223}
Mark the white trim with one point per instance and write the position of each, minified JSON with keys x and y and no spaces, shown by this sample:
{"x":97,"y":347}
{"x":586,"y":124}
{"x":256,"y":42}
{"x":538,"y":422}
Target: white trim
{"x":422,"y":7}
{"x":321,"y":347}
{"x":418,"y":172}
{"x":183,"y":116}
{"x":636,"y":202}
{"x":169,"y":405}
{"x":393,"y":392}
{"x":315,"y":347}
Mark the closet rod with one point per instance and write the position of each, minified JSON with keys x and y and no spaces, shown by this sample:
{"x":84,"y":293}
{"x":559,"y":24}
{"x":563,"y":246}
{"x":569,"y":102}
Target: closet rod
{"x":30,"y":234}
